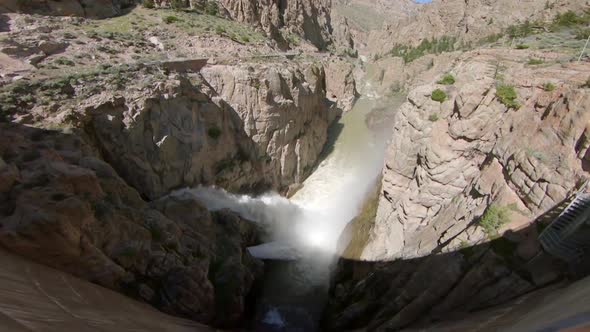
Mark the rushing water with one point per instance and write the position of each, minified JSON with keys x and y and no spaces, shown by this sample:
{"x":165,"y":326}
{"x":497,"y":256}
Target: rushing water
{"x":304,"y":230}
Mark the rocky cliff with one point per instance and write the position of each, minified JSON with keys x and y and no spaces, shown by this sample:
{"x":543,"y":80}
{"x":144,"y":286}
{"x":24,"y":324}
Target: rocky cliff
{"x":253,"y":128}
{"x":468,"y":21}
{"x":281,"y":20}
{"x":83,"y":8}
{"x":65,"y":207}
{"x":284,"y":111}
{"x":480,"y":151}
{"x":85,"y":173}
{"x":500,"y":149}
{"x":307,"y":18}
{"x":354,"y":20}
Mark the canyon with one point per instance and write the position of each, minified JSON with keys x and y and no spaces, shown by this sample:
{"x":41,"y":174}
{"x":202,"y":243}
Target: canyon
{"x":291,"y":165}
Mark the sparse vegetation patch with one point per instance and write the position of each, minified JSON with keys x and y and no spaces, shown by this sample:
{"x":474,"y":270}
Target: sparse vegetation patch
{"x":438,"y":95}
{"x":548,"y":86}
{"x":506,"y":94}
{"x":494,"y":218}
{"x":434,"y":46}
{"x":535,"y":62}
{"x":171,"y":19}
{"x":447,"y":79}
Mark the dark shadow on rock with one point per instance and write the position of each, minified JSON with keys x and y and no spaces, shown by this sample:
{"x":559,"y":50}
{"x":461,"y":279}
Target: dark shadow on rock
{"x":406,"y":293}
{"x":63,"y":206}
{"x":4,"y":26}
{"x":333,"y":133}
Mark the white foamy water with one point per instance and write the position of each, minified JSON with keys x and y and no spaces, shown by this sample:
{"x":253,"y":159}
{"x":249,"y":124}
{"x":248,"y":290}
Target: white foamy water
{"x":330,"y":198}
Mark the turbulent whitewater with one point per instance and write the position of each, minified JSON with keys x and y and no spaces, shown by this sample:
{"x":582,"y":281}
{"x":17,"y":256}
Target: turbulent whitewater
{"x":315,"y":216}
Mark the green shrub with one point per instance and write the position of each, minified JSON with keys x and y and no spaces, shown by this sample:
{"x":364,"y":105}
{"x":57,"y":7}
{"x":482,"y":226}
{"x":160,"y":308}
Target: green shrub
{"x":214,"y":132}
{"x":490,"y":39}
{"x":548,"y":86}
{"x":549,"y":5}
{"x":211,"y":8}
{"x":448,"y":79}
{"x":583,"y":33}
{"x":519,"y":31}
{"x":568,"y":19}
{"x":433,"y":117}
{"x":507,"y":96}
{"x":434,"y":46}
{"x":171,"y":19}
{"x":219,"y":30}
{"x":148,"y":4}
{"x":535,"y":62}
{"x":245,"y":39}
{"x":64,"y":61}
{"x":522,"y":47}
{"x":493,"y":219}
{"x":438,"y":95}
{"x":178,"y":4}
{"x":587,"y":84}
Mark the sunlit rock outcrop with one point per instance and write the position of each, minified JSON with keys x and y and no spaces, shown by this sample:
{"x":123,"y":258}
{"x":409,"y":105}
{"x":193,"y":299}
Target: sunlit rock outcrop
{"x":483,"y":162}
{"x":307,"y":18}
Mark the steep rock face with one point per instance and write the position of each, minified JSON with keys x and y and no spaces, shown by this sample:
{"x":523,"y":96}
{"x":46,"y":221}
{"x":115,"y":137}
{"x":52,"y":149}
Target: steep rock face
{"x":66,"y":208}
{"x":450,"y":164}
{"x":343,"y":37}
{"x":341,"y":83}
{"x":284,"y":112}
{"x":391,"y":75}
{"x":169,"y":132}
{"x":84,"y":8}
{"x":309,"y":19}
{"x":354,"y":20}
{"x":466,"y":20}
{"x":175,"y":136}
{"x":478,"y":152}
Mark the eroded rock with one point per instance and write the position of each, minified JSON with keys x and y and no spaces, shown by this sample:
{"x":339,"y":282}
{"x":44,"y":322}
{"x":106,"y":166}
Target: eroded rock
{"x":68,"y":209}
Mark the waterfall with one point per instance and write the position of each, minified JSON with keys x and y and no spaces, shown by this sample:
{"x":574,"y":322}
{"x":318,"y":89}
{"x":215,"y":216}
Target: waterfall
{"x":331,"y":197}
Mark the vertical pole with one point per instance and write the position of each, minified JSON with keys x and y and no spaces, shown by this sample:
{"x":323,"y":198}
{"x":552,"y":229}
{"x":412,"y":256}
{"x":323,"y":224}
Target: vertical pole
{"x":584,"y":50}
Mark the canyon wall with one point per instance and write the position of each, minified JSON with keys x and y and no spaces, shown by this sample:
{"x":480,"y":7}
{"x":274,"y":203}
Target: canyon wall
{"x":453,"y":166}
{"x":84,"y":182}
{"x":284,"y":111}
{"x":65,"y":207}
{"x":468,"y":21}
{"x":449,"y":161}
{"x":83,"y":8}
{"x":307,"y":18}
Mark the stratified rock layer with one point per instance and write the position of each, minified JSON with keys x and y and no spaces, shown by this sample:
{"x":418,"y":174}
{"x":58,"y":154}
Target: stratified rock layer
{"x":449,"y":161}
{"x":429,"y":255}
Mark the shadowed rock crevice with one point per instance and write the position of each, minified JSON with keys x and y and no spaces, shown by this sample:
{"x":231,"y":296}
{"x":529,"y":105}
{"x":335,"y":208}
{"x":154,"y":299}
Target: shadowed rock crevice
{"x":418,"y":292}
{"x":67,"y":208}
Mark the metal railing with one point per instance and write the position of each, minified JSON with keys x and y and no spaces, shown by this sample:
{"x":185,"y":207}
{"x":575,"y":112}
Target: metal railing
{"x":566,"y":237}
